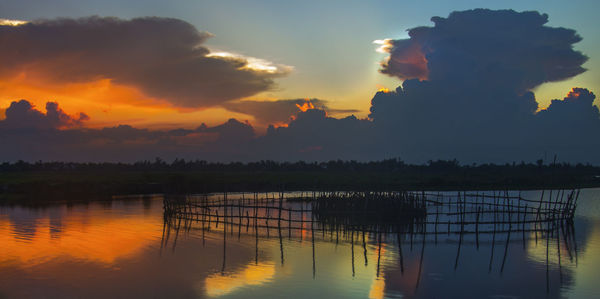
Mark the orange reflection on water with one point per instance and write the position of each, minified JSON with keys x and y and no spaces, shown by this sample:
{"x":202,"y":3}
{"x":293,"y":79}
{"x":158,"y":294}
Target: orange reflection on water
{"x":378,"y":286}
{"x":537,"y":251}
{"x":100,"y":238}
{"x":252,"y":275}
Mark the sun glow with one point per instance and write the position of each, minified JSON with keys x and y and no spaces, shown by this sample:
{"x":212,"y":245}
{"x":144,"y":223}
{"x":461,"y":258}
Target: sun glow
{"x":385,"y":45}
{"x":8,"y":22}
{"x":254,"y":64}
{"x":307,"y":105}
{"x":573,"y":93}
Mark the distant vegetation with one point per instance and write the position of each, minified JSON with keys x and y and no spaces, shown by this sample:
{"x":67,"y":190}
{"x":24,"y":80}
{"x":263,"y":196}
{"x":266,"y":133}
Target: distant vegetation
{"x":50,"y":181}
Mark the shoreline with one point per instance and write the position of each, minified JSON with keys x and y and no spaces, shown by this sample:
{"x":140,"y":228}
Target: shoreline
{"x":95,"y":185}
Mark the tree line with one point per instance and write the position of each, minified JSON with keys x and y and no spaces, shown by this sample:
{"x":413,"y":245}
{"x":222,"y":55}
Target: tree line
{"x":387,"y":165}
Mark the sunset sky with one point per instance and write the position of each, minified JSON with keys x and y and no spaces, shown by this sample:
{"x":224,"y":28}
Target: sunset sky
{"x":326,"y":48}
{"x":311,"y":80}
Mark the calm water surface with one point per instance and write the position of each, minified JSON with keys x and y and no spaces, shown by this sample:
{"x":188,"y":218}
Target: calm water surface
{"x":120,"y":249}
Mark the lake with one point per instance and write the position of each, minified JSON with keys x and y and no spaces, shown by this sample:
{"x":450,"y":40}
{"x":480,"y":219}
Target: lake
{"x":127,"y":248}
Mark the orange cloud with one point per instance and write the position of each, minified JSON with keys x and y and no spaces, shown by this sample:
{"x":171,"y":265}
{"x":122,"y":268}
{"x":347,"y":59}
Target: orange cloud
{"x":143,"y":71}
{"x":107,"y":103}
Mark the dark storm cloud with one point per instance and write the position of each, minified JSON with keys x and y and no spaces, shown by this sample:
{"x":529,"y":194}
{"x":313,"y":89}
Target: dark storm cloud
{"x":476,"y":102}
{"x":162,"y":57}
{"x":480,"y":68}
{"x":571,"y":127}
{"x":23,"y":114}
{"x":279,"y":111}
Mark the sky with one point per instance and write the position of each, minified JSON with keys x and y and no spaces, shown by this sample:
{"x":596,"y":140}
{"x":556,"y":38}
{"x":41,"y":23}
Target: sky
{"x":322,"y":53}
{"x":328,"y":44}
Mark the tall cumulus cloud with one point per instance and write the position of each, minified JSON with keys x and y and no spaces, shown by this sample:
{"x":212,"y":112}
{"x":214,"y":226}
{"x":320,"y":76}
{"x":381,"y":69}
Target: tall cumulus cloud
{"x":471,"y":94}
{"x":500,"y":48}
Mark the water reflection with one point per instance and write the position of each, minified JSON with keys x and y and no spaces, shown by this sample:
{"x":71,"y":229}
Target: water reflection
{"x":219,"y":284}
{"x":84,"y":233}
{"x":78,"y":251}
{"x":491,"y":230}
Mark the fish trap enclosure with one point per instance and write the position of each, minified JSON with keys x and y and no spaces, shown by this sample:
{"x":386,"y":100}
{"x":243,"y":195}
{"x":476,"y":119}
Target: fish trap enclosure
{"x":495,"y":219}
{"x":427,"y":213}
